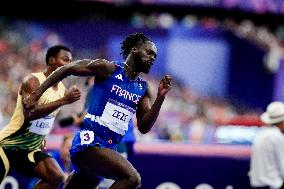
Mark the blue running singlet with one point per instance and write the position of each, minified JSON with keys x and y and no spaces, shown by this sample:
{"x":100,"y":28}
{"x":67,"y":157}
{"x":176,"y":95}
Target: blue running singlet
{"x":111,"y":107}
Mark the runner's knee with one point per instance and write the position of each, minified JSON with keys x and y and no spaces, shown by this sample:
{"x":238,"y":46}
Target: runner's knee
{"x":135,"y":179}
{"x":56,"y":178}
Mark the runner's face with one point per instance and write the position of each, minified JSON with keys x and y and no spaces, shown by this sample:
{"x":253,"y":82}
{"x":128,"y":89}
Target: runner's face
{"x":62,"y":58}
{"x":147,"y":53}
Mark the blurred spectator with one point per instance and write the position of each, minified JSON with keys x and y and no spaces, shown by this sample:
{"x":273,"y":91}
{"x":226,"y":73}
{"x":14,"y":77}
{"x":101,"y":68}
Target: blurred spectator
{"x":267,"y":160}
{"x":261,"y":36}
{"x":63,"y":156}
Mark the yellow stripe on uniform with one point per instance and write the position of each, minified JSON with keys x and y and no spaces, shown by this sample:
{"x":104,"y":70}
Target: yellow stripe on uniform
{"x":5,"y":161}
{"x":31,"y":155}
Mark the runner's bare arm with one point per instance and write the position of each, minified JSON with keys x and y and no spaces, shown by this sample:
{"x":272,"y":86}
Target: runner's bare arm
{"x":31,"y":84}
{"x":147,"y":114}
{"x":99,"y":68}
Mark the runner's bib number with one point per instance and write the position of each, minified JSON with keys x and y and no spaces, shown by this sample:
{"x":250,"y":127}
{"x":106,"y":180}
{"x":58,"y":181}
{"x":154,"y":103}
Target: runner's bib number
{"x":117,"y":114}
{"x":42,"y":126}
{"x":87,"y":137}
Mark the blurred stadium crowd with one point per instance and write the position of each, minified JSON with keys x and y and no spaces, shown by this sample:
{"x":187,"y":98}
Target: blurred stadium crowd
{"x":22,"y":48}
{"x":185,"y":116}
{"x":262,"y":6}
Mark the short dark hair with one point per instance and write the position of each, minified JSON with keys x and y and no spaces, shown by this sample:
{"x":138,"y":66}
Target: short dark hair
{"x":132,"y":40}
{"x":54,"y":50}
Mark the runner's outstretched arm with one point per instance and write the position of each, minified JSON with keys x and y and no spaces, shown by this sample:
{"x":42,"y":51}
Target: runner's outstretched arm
{"x":99,"y":68}
{"x":146,"y":114}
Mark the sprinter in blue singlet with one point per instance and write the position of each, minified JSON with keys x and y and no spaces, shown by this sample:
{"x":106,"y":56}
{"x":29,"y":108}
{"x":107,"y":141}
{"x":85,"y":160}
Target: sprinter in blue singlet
{"x":119,"y":92}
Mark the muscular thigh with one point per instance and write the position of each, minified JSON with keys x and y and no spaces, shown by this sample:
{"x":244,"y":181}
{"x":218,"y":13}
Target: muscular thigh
{"x":103,"y":162}
{"x":79,"y":180}
{"x":36,"y":164}
{"x":48,"y":169}
{"x":24,"y":161}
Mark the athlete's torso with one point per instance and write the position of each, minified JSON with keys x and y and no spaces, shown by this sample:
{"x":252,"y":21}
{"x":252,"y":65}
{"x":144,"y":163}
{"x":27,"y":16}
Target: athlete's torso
{"x":114,"y":101}
{"x":29,"y":136}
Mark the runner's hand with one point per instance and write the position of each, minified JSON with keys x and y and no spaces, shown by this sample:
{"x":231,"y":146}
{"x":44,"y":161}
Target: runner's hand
{"x":72,"y":95}
{"x":164,"y":86}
